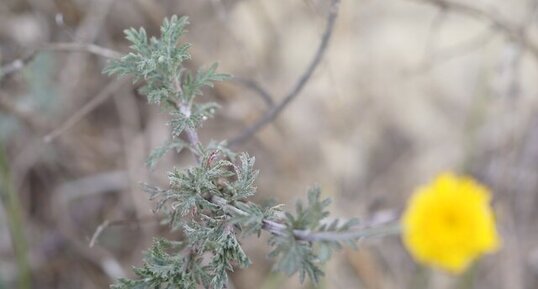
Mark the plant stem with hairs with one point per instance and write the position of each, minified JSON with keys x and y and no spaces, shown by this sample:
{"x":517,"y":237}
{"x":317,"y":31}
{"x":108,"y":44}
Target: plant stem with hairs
{"x":209,"y":202}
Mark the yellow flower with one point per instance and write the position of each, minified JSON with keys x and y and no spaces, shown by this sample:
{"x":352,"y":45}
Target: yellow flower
{"x":449,"y":223}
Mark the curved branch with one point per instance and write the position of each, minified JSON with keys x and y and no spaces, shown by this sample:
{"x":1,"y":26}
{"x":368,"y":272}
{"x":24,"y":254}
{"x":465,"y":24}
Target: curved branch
{"x":301,"y":82}
{"x":511,"y":31}
{"x":256,"y":87}
{"x":97,"y":100}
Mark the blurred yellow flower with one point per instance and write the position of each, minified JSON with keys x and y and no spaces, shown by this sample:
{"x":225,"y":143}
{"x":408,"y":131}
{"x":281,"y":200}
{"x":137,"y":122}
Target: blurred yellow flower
{"x":449,"y":223}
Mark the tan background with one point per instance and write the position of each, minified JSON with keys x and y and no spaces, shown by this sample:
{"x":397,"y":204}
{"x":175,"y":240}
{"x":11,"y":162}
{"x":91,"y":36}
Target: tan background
{"x":406,"y":90}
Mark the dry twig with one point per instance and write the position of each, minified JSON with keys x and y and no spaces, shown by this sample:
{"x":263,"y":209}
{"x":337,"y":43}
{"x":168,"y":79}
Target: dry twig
{"x":299,"y":85}
{"x":103,"y":95}
{"x":15,"y":65}
{"x":80,"y":47}
{"x":18,"y":64}
{"x":256,"y":87}
{"x":511,"y":31}
{"x":121,"y":222}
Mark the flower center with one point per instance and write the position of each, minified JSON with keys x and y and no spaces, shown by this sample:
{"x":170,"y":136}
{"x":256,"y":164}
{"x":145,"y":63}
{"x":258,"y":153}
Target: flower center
{"x":451,"y":221}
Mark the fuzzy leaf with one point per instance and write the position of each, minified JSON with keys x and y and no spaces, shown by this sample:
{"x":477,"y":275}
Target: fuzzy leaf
{"x":157,"y":153}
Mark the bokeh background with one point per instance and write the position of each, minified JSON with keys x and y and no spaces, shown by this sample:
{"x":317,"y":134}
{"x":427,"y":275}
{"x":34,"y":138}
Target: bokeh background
{"x":406,"y":89}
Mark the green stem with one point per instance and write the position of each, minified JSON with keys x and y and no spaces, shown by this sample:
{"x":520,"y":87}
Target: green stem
{"x":12,"y":204}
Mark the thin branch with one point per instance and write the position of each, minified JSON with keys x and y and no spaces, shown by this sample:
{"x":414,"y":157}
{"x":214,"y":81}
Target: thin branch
{"x":514,"y":33}
{"x":121,"y":222}
{"x":20,"y":63}
{"x":301,"y":82}
{"x":15,"y":65}
{"x":192,"y":135}
{"x":185,"y":109}
{"x":312,"y":236}
{"x":103,"y":95}
{"x":256,"y":87}
{"x":80,"y":47}
{"x":474,"y":43}
{"x":280,"y":229}
{"x":435,"y":26}
{"x":461,"y":49}
{"x":98,"y":232}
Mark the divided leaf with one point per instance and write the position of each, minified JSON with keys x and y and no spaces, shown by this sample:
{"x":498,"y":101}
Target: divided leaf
{"x":309,"y":217}
{"x":294,"y":256}
{"x":192,"y":85}
{"x":158,"y":152}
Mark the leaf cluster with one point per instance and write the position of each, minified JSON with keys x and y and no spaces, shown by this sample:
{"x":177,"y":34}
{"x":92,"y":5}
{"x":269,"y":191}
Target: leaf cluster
{"x":211,"y":230}
{"x":162,"y":269}
{"x":159,"y":62}
{"x":295,"y":253}
{"x":210,"y":247}
{"x":155,"y":60}
{"x":208,"y":202}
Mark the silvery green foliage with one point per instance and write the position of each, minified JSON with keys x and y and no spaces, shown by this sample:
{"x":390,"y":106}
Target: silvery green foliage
{"x":159,"y":152}
{"x":158,"y":61}
{"x":207,"y":202}
{"x":296,"y":251}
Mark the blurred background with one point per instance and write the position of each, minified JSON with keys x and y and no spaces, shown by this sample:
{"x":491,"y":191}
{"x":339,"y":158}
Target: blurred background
{"x":406,"y":89}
